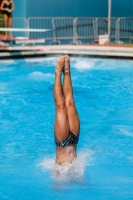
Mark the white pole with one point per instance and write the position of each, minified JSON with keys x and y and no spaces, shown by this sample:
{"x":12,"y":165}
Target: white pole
{"x":109,"y":18}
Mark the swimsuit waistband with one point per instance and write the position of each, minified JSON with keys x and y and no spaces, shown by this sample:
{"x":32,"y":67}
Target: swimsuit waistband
{"x":70,"y":140}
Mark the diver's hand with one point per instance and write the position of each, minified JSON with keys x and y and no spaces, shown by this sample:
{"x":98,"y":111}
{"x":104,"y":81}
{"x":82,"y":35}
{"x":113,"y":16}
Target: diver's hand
{"x":8,"y":10}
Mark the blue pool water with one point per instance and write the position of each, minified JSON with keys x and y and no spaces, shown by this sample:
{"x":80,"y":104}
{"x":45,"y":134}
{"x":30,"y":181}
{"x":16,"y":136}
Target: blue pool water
{"x":103,"y":91}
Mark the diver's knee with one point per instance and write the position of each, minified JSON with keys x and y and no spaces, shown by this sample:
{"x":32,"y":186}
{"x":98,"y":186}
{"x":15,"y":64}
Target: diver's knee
{"x":60,"y":105}
{"x":70,"y":103}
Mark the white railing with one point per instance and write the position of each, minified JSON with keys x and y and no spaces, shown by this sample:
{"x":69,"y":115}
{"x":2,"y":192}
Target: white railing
{"x":40,"y":23}
{"x":124,"y":29}
{"x":74,"y":30}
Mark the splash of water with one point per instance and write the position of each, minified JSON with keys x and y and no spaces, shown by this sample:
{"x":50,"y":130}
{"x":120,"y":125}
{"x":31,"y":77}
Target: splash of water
{"x":70,"y":172}
{"x":83,"y":64}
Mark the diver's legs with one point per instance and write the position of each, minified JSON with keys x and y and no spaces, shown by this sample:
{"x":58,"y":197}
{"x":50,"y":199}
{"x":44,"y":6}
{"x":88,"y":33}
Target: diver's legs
{"x":73,"y":117}
{"x":61,"y":127}
{"x":10,"y":25}
{"x":6,"y":25}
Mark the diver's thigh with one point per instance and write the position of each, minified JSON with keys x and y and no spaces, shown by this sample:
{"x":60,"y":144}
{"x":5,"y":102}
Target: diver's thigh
{"x":10,"y":21}
{"x":5,"y":20}
{"x":61,"y":126}
{"x":73,"y":118}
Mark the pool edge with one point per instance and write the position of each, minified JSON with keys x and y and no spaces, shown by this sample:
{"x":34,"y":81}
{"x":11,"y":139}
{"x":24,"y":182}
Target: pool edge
{"x":107,"y":51}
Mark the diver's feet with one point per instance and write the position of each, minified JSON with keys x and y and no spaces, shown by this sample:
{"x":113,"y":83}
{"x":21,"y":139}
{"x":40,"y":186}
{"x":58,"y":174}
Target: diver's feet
{"x":67,"y":65}
{"x":60,"y":65}
{"x":5,"y":37}
{"x":11,"y":38}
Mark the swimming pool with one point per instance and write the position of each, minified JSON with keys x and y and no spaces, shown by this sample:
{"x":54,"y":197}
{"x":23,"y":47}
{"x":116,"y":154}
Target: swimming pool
{"x":103,"y":91}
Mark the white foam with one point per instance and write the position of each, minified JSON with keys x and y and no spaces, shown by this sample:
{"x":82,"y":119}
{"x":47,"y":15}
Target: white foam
{"x":10,"y":61}
{"x":70,"y":172}
{"x":125,"y":132}
{"x":3,"y":88}
{"x":41,"y":60}
{"x":83,"y":64}
{"x":39,"y":76}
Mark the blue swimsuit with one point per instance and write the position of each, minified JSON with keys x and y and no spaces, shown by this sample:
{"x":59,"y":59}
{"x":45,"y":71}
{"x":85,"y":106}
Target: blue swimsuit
{"x":70,"y":140}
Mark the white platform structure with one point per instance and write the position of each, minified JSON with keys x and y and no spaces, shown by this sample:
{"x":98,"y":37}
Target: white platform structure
{"x":103,"y":39}
{"x":25,"y":29}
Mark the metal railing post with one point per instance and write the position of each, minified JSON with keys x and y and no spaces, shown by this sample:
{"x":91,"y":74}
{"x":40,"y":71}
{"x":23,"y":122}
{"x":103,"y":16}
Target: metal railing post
{"x":95,"y":22}
{"x":116,"y":34}
{"x":28,"y":26}
{"x":118,"y":37}
{"x":54,"y":33}
{"x":109,"y":18}
{"x":75,"y":31}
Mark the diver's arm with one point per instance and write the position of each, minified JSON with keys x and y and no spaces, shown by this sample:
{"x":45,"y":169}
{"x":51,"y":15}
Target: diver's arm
{"x":2,"y":6}
{"x":13,"y":6}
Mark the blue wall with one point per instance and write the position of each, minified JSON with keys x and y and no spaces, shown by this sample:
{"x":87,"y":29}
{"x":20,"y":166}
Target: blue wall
{"x":72,"y":8}
{"x":66,"y":8}
{"x":122,"y":8}
{"x":20,"y":8}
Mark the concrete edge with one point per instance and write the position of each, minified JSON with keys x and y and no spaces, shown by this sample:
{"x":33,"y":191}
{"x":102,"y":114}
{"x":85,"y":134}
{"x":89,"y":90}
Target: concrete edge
{"x":92,"y":50}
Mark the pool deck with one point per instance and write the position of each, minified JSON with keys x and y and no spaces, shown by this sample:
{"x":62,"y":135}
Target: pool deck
{"x":114,"y":51}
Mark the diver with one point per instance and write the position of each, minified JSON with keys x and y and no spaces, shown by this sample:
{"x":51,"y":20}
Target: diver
{"x":67,"y":123}
{"x":7,"y":8}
